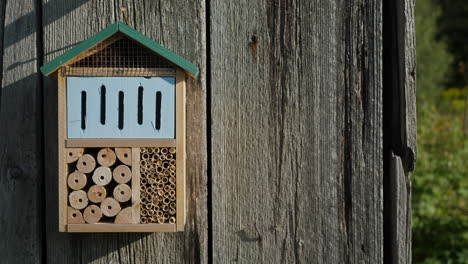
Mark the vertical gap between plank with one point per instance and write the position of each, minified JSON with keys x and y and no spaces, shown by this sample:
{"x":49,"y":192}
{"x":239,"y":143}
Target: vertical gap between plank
{"x":40,"y":127}
{"x":208,"y":133}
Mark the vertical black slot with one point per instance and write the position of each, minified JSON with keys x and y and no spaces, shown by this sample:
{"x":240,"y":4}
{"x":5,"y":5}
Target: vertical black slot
{"x":83,"y":110}
{"x":140,"y":105}
{"x":103,"y":104}
{"x":158,"y":110}
{"x":121,"y":110}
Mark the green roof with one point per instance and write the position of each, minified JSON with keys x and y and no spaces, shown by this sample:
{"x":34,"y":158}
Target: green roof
{"x":132,"y":34}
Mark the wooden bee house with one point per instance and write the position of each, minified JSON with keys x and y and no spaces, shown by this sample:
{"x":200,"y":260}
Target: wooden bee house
{"x":121,"y":134}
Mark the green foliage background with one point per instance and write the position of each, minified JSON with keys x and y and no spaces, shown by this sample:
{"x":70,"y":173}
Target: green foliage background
{"x":440,"y":182}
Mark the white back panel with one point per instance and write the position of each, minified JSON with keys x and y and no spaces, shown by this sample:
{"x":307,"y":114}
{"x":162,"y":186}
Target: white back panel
{"x":129,"y":87}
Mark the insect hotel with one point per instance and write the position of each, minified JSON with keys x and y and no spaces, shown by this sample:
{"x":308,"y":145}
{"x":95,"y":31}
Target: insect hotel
{"x":121,"y":134}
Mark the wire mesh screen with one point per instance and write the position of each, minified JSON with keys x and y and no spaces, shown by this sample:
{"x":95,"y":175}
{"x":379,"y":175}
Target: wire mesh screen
{"x":119,"y":56}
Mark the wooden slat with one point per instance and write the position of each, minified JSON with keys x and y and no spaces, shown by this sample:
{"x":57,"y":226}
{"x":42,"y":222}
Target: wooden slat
{"x":88,"y":143}
{"x":180,"y":154}
{"x":62,"y":163}
{"x":143,"y":72}
{"x":296,"y":131}
{"x":21,"y":169}
{"x":99,"y":228}
{"x":65,"y":24}
{"x":136,"y":181}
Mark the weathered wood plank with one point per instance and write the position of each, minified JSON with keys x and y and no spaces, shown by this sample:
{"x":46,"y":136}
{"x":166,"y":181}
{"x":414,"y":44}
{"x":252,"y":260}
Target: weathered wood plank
{"x":400,"y":126}
{"x":21,"y":172}
{"x":179,"y":26}
{"x":297,"y":131}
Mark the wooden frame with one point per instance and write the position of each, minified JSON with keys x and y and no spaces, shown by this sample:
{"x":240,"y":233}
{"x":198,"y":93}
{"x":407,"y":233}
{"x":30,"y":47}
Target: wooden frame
{"x":179,"y":143}
{"x":169,"y":203}
{"x":96,"y":143}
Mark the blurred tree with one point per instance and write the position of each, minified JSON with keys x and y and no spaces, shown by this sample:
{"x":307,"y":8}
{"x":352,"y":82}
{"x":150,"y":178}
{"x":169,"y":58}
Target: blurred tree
{"x":453,"y":24}
{"x":440,"y":183}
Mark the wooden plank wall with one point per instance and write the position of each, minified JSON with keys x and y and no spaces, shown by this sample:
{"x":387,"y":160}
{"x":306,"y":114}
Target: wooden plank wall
{"x":291,"y":149}
{"x":297,"y":131}
{"x":21,"y":174}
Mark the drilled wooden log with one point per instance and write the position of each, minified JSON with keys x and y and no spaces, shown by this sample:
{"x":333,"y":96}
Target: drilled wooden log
{"x":122,"y":174}
{"x":124,"y":155}
{"x":127,"y":216}
{"x":86,"y":163}
{"x":73,"y":154}
{"x":74,"y":216}
{"x":110,"y":207}
{"x":122,"y":193}
{"x":106,"y":157}
{"x":92,"y":214}
{"x":78,"y":199}
{"x":97,"y":194}
{"x":102,"y":176}
{"x":77,"y":180}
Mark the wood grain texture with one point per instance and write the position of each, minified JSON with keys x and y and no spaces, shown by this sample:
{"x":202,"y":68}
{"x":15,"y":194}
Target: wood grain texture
{"x":297,"y":131}
{"x":399,"y":127}
{"x":20,"y":135}
{"x":179,"y":26}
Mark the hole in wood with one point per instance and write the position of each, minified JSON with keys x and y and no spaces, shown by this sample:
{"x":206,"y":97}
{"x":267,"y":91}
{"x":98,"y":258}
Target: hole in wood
{"x":83,"y":110}
{"x":76,"y":180}
{"x":102,"y":177}
{"x":109,"y":207}
{"x":80,"y":200}
{"x":74,"y":215}
{"x":121,"y":110}
{"x":158,"y":110}
{"x":84,"y":163}
{"x":126,"y":155}
{"x":99,"y":195}
{"x":140,"y":105}
{"x":103,"y":104}
{"x":70,"y":154}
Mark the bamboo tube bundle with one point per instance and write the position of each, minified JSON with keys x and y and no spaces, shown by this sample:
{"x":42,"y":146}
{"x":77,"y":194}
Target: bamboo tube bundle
{"x":145,"y":156}
{"x":172,"y":150}
{"x":102,"y":176}
{"x":122,"y":174}
{"x":122,"y":193}
{"x":172,"y":220}
{"x":73,"y":154}
{"x":172,"y":162}
{"x":106,"y":157}
{"x":169,"y":157}
{"x":86,"y":163}
{"x":143,"y":163}
{"x":144,"y":220}
{"x":77,"y":180}
{"x":92,"y":214}
{"x":144,"y":150}
{"x":157,"y":150}
{"x":150,"y":150}
{"x":172,"y":205}
{"x":124,"y":155}
{"x":97,"y":194}
{"x":172,"y":180}
{"x":162,"y":157}
{"x":74,"y":216}
{"x":78,"y":199}
{"x":110,"y":207}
